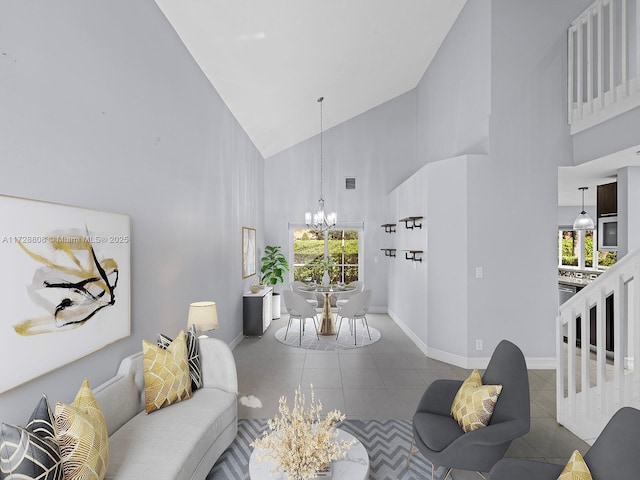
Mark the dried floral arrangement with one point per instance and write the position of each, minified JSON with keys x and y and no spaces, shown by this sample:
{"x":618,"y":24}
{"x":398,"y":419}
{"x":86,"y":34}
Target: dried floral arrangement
{"x":301,"y":442}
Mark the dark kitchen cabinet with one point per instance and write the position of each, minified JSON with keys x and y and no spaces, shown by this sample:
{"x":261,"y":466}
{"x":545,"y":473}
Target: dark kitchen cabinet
{"x":607,"y":200}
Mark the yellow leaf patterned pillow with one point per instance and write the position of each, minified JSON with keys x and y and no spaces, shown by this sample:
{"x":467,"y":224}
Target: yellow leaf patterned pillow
{"x":166,"y":373}
{"x":474,"y":402}
{"x":576,"y":469}
{"x":81,"y":434}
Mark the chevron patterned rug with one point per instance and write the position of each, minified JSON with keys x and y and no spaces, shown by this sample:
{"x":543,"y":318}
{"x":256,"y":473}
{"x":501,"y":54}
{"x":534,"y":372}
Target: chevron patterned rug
{"x":387,"y":443}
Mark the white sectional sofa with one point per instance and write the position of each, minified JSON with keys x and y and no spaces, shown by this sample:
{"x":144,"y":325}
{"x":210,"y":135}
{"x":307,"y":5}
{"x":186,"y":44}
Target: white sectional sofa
{"x":178,"y":442}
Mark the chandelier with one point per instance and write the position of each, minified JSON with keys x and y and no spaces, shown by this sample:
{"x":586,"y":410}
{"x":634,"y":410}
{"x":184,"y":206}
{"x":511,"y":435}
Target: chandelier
{"x":319,"y":220}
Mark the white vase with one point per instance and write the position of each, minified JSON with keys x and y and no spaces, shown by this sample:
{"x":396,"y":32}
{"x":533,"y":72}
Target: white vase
{"x":325,"y":278}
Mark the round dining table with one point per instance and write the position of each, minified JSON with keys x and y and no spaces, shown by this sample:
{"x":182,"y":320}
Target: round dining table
{"x":327,"y":326}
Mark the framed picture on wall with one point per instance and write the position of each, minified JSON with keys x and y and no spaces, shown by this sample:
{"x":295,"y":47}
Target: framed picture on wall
{"x":65,"y":285}
{"x":248,"y":252}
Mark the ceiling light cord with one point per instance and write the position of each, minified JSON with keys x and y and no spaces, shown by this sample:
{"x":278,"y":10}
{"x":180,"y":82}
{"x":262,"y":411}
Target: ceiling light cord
{"x":319,"y":220}
{"x":320,"y":102}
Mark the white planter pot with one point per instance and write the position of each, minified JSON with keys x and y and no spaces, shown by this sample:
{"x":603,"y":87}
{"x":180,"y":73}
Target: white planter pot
{"x":275,"y":306}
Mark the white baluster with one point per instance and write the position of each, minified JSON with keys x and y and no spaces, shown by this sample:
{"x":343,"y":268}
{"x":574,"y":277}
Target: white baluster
{"x":560,"y":370}
{"x":636,"y":330}
{"x":579,"y":60}
{"x":612,"y":38}
{"x":600,"y":53}
{"x":619,"y":341}
{"x":590,"y":63}
{"x":570,"y":63}
{"x":601,"y":354}
{"x":585,"y":354}
{"x":571,"y":364}
{"x":623,"y":52}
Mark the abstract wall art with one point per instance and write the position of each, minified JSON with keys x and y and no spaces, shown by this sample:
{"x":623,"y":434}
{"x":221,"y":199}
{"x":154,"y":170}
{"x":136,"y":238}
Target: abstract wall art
{"x":64,"y":285}
{"x":248,"y":252}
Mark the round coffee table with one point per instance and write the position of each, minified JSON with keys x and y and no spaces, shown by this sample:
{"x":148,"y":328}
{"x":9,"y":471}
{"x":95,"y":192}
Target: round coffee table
{"x":354,"y":466}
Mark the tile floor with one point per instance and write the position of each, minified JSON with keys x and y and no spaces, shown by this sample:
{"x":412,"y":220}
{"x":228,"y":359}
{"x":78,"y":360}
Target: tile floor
{"x":383,"y":381}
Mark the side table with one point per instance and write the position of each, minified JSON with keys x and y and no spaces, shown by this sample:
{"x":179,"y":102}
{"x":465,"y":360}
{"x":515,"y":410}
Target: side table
{"x":256,"y":311}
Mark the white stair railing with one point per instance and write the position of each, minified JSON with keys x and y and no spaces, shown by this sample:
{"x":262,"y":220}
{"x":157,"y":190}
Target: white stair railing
{"x":604,"y":62}
{"x":592,"y":383}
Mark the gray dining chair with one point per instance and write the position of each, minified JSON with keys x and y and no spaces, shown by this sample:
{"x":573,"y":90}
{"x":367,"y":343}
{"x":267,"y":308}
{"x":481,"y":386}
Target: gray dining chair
{"x":299,"y":308}
{"x":310,"y":297}
{"x":356,"y":309}
{"x":437,"y":435}
{"x":614,"y":454}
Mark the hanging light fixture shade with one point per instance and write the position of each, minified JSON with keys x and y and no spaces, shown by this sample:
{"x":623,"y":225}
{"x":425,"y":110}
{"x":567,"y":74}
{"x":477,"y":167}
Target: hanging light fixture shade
{"x":319,"y":220}
{"x":583,"y":220}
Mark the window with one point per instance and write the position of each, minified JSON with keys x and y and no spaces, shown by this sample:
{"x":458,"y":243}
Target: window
{"x":575,"y":248}
{"x":309,"y":247}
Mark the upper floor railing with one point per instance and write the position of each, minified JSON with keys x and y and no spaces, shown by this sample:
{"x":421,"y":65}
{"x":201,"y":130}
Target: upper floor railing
{"x":604,"y":62}
{"x":598,"y":340}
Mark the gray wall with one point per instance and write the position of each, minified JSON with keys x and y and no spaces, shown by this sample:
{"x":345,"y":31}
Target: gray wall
{"x":617,"y":134}
{"x":454,"y":95}
{"x":378,"y":148}
{"x":102,"y":107}
{"x":513,"y":196}
{"x":498,"y":86}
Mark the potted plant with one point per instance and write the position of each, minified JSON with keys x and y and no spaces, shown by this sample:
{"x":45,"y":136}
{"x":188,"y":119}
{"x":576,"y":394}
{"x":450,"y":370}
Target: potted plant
{"x":273,"y":266}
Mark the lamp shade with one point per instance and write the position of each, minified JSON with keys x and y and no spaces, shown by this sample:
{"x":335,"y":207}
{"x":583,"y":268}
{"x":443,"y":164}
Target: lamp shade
{"x":204,"y":315}
{"x":583,"y":222}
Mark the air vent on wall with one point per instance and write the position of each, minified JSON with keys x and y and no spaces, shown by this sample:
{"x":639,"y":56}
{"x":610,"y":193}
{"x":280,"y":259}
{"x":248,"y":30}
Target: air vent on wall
{"x":350,"y":183}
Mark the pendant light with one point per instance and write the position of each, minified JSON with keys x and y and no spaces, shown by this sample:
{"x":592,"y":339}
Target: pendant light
{"x":319,"y":220}
{"x":583,"y":221}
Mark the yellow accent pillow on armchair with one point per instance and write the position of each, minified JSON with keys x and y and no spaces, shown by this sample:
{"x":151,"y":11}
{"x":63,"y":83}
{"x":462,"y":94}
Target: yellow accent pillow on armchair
{"x":575,"y":469}
{"x":473,"y":405}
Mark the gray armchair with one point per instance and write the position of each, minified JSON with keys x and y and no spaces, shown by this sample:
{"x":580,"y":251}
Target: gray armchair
{"x":614,"y":454}
{"x":441,"y":440}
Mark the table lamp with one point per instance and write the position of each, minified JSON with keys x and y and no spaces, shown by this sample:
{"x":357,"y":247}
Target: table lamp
{"x":203,"y":315}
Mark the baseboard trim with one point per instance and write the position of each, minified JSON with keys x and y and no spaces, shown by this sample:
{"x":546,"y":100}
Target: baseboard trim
{"x":533,"y":363}
{"x":541,"y":363}
{"x":236,"y":341}
{"x":409,"y":333}
{"x":378,"y":310}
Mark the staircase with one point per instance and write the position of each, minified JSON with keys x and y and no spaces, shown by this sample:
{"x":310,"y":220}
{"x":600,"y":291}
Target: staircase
{"x":604,"y":62}
{"x":592,"y":383}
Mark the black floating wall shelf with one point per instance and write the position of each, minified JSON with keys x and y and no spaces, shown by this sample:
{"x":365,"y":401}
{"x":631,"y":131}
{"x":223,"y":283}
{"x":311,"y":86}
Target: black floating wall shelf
{"x":413,"y":255}
{"x":411,"y":222}
{"x":389,"y":252}
{"x":389,"y":227}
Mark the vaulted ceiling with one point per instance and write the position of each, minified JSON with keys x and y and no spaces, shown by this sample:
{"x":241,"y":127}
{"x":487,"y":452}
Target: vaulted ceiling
{"x":271,"y":60}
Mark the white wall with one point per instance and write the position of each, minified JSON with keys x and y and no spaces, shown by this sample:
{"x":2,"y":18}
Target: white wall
{"x":378,"y":148}
{"x":102,"y":107}
{"x":407,"y":280}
